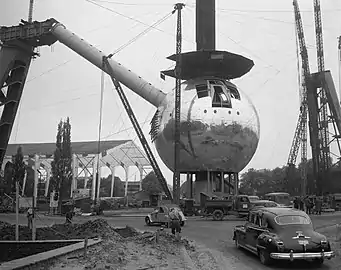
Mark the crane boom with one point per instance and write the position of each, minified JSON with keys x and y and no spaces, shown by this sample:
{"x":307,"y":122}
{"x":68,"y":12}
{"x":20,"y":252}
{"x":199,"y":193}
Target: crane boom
{"x":137,"y":128}
{"x":324,"y":153}
{"x":176,"y":174}
{"x":27,"y":36}
{"x":301,"y":128}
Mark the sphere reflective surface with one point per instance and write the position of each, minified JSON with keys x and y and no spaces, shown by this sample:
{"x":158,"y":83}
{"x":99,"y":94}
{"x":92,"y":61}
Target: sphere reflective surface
{"x":219,"y":127}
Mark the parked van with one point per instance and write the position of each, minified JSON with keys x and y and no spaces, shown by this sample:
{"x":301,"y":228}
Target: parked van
{"x":282,"y":198}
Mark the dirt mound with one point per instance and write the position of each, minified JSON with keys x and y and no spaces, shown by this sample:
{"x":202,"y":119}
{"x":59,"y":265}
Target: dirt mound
{"x":90,"y":229}
{"x":127,"y":231}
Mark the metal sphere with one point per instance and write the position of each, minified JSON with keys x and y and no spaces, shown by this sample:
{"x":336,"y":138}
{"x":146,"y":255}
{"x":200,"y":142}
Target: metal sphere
{"x":216,"y":134}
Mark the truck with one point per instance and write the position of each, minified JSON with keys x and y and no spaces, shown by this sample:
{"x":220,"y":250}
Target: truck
{"x":238,"y":205}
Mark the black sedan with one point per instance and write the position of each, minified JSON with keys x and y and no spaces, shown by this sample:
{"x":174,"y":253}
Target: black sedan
{"x":263,"y":203}
{"x":275,"y":233}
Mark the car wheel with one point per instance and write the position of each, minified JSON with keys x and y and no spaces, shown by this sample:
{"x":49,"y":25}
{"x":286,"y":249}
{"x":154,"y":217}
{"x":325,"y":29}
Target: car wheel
{"x":147,"y":220}
{"x":218,"y":215}
{"x":264,"y":257}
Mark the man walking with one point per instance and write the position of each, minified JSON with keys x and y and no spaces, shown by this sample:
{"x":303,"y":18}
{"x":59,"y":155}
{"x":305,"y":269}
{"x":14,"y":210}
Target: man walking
{"x":175,"y":220}
{"x":29,"y":218}
{"x":318,"y":206}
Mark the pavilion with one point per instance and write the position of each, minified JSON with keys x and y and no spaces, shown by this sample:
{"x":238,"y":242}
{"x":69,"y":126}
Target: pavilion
{"x":85,"y":157}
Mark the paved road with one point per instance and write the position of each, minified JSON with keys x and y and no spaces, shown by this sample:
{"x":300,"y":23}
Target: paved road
{"x":214,"y":235}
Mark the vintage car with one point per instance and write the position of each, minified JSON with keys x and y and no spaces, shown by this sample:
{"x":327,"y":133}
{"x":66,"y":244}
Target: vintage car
{"x":282,"y":198}
{"x":160,"y":216}
{"x":276,"y":233}
{"x":263,"y":203}
{"x":253,"y":198}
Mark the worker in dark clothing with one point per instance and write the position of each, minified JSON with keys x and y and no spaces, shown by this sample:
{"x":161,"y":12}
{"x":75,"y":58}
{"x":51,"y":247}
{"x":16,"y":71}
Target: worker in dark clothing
{"x":308,"y":205}
{"x":318,"y":206}
{"x":296,"y":203}
{"x":69,"y":216}
{"x":29,"y":218}
{"x":175,"y":221}
{"x":301,"y":204}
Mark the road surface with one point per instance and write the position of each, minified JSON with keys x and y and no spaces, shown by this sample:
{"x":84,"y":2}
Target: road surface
{"x":216,"y":235}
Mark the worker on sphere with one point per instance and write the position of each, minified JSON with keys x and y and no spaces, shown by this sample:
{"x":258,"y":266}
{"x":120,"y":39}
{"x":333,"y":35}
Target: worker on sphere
{"x":29,"y":218}
{"x":175,"y":221}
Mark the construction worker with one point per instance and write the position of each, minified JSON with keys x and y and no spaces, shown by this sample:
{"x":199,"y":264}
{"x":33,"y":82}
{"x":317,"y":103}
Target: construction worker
{"x":318,"y":205}
{"x":175,"y":220}
{"x":29,"y":218}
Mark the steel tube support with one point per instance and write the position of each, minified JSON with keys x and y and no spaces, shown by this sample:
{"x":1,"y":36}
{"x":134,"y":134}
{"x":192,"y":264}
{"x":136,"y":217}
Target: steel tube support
{"x":112,"y":181}
{"x":126,"y":169}
{"x":134,"y":82}
{"x":94,"y":173}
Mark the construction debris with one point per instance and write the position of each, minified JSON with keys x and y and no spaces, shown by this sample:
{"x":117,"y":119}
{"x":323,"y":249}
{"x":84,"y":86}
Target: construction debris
{"x":122,"y":248}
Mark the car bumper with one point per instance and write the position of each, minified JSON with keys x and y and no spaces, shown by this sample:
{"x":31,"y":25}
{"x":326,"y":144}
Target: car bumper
{"x":303,"y":256}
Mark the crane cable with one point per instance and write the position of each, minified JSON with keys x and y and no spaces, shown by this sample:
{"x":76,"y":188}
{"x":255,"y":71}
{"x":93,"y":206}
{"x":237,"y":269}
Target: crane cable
{"x":102,"y":94}
{"x":339,"y":47}
{"x":99,"y":136}
{"x":143,"y":33}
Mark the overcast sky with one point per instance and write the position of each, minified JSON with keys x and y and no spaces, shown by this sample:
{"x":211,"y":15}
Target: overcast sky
{"x":60,"y":83}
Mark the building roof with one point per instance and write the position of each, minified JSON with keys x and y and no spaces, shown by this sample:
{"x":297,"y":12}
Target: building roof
{"x":114,"y":153}
{"x":81,"y":148}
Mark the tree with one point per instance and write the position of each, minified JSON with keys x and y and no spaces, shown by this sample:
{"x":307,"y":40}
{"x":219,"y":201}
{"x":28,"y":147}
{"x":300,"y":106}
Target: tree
{"x":151,"y":184}
{"x":61,"y":166}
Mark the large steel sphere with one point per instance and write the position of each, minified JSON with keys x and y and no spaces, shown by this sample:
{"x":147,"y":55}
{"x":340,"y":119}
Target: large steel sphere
{"x":214,"y":136}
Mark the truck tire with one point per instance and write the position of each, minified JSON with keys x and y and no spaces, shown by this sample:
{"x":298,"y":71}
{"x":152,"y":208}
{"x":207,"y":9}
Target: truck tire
{"x":218,"y":215}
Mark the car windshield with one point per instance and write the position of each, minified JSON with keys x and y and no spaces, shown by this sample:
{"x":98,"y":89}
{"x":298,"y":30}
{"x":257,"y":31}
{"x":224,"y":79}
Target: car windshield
{"x":291,"y":220}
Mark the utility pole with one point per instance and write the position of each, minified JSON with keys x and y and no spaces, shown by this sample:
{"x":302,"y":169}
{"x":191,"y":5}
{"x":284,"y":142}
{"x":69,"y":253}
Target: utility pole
{"x":176,"y":176}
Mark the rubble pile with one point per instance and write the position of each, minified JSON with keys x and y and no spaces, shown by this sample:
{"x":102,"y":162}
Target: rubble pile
{"x":90,"y":229}
{"x":127,"y":231}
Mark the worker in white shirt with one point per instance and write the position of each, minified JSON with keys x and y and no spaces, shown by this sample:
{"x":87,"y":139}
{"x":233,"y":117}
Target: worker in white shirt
{"x":175,"y":220}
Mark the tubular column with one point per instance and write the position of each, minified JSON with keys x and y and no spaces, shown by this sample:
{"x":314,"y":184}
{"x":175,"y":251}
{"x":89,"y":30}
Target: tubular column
{"x":134,"y":82}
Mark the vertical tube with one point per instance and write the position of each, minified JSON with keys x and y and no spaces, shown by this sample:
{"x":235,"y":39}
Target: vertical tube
{"x":205,"y":24}
{"x":74,"y":175}
{"x":141,"y":177}
{"x":339,"y":68}
{"x":112,"y":181}
{"x":126,"y":168}
{"x":209,"y":189}
{"x":94,"y":173}
{"x":16,"y":210}
{"x":191,"y":187}
{"x":48,"y":175}
{"x":236,"y":184}
{"x":222,"y":182}
{"x":35,"y":193}
{"x":99,"y":169}
{"x":86,"y":177}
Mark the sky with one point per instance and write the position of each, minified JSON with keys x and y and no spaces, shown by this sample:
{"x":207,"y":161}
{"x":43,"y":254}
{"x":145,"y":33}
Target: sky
{"x":60,"y":83}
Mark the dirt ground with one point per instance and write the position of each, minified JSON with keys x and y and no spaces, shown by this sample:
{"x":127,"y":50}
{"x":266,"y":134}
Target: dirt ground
{"x":123,"y":248}
{"x":333,"y":234}
{"x":129,"y":250}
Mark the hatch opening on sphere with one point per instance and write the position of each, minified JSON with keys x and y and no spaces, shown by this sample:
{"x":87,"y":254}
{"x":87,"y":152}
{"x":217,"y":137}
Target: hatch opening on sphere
{"x":220,"y":97}
{"x":234,"y":93}
{"x":202,"y":90}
